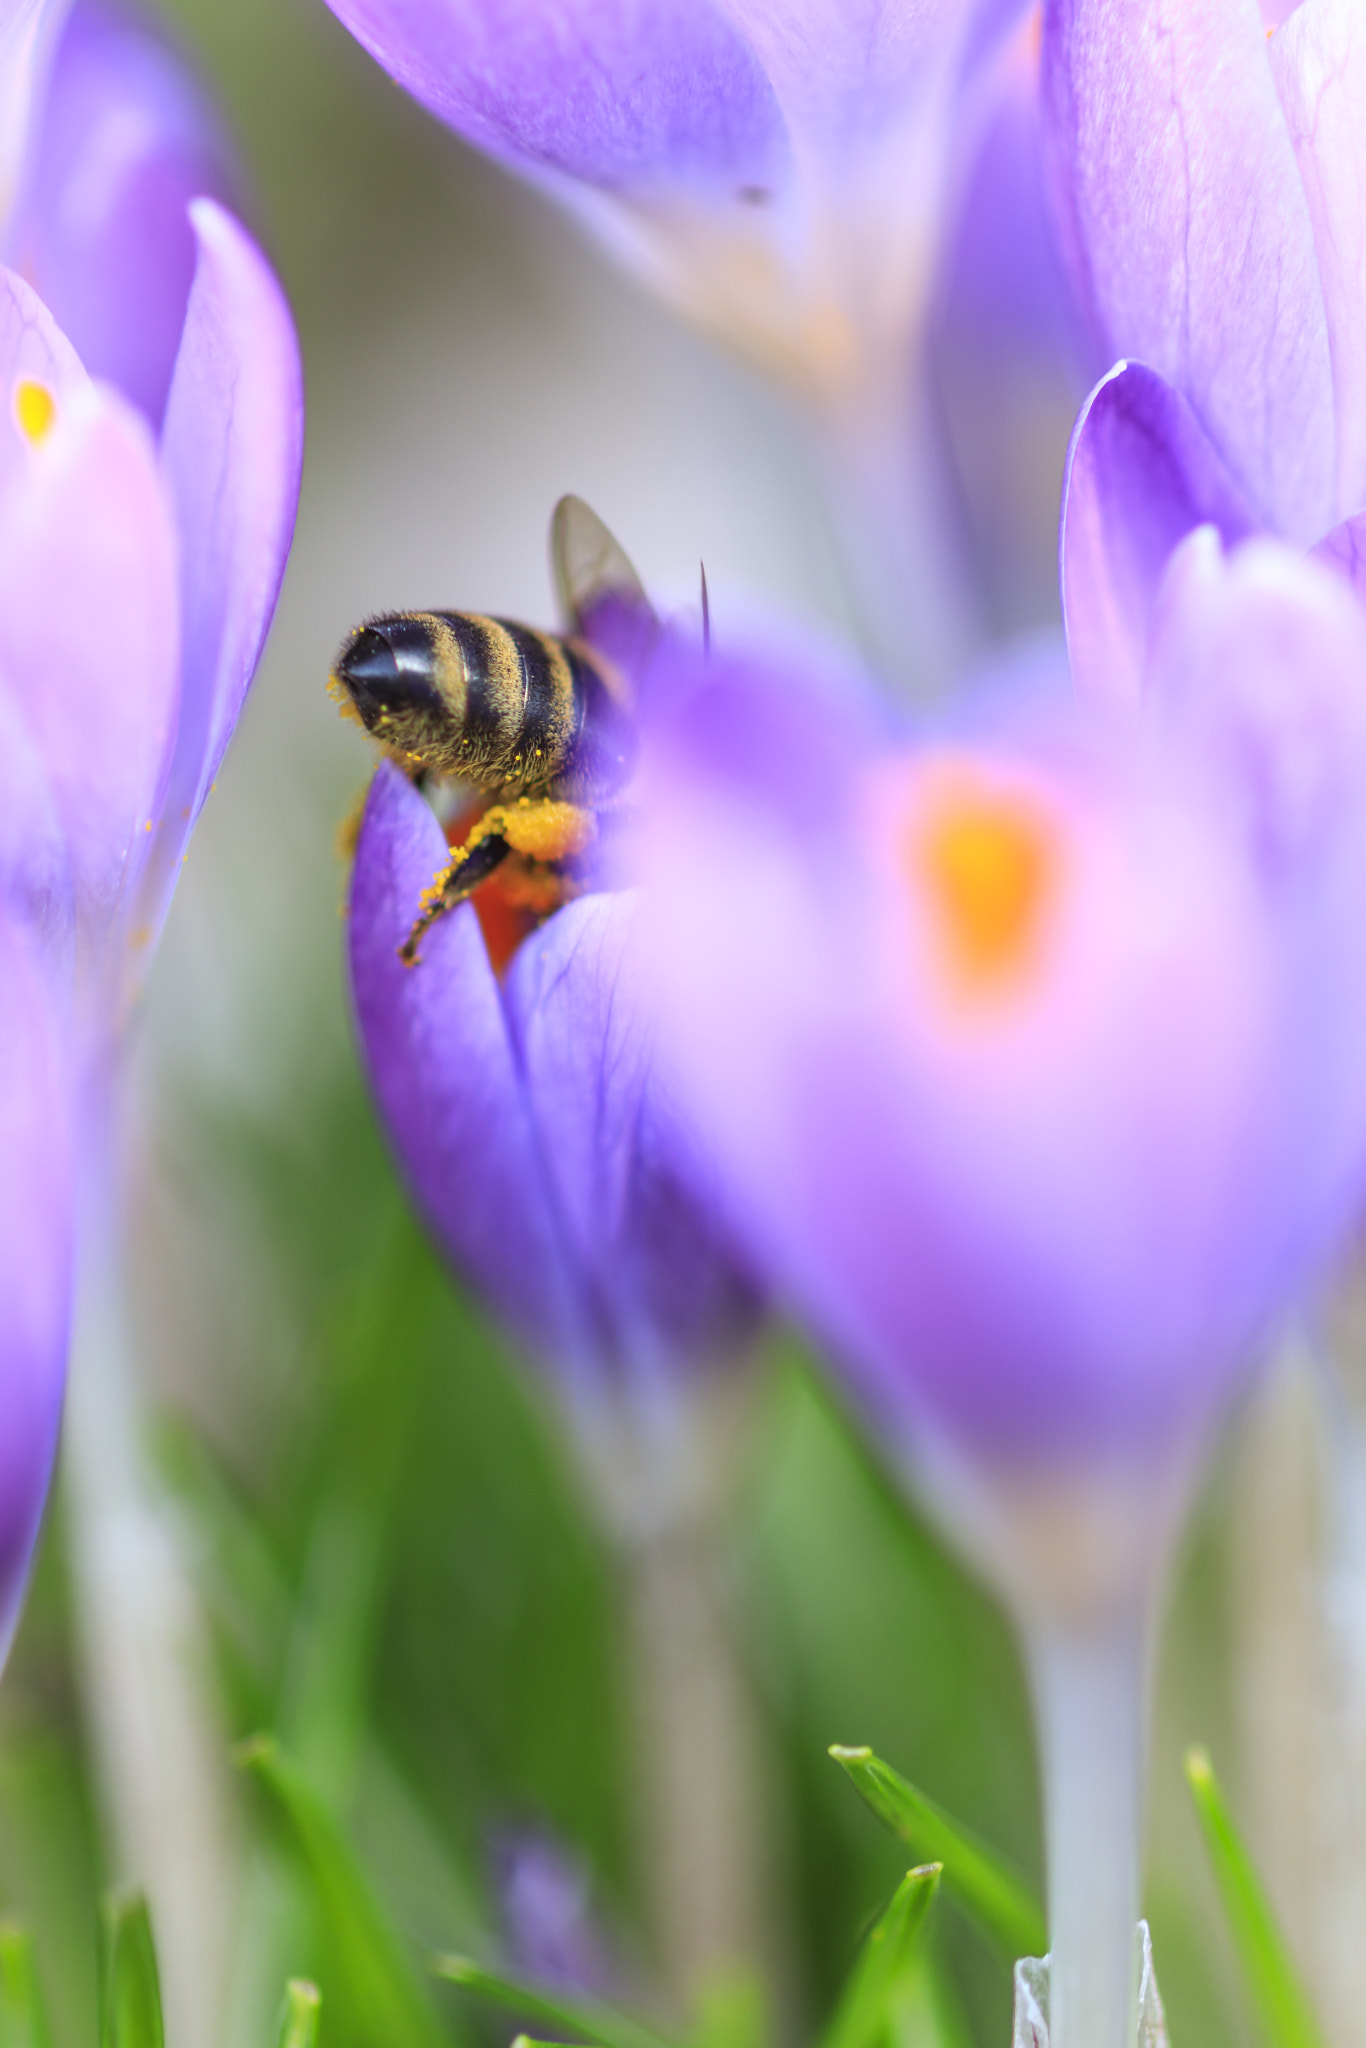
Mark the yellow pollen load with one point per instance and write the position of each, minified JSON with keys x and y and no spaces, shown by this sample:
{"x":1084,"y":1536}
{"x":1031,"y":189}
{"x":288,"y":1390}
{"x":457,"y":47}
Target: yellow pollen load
{"x":987,"y":861}
{"x":35,"y":410}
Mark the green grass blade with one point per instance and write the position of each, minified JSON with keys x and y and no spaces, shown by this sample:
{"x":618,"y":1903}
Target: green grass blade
{"x":584,"y":2016}
{"x":379,"y":1986}
{"x":864,"y":2012}
{"x":1282,"y":2005}
{"x":130,"y":2011}
{"x":299,"y":2014}
{"x":980,"y":1879}
{"x":23,"y":2016}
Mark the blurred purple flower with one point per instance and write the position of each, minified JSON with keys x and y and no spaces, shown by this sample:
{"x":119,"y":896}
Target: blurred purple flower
{"x":778,"y":167}
{"x":143,"y":533}
{"x":1212,"y":177}
{"x":127,"y":140}
{"x":1031,"y":1048}
{"x":545,"y":1897}
{"x":535,"y":1128}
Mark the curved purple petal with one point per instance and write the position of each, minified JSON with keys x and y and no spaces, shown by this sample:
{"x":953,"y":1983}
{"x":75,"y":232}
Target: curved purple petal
{"x":1140,"y":475}
{"x":1318,"y":60}
{"x":1049,"y":1227}
{"x":36,"y":1248}
{"x":632,"y":1197}
{"x":32,"y":349}
{"x":1344,"y":549}
{"x":128,"y":139}
{"x":28,"y":33}
{"x":232,"y":452}
{"x":89,"y":643}
{"x":1190,"y":234}
{"x":636,"y":95}
{"x":445,"y":1076}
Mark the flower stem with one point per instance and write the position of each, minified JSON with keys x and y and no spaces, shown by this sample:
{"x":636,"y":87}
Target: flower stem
{"x":160,"y":1757}
{"x":1090,"y":1689}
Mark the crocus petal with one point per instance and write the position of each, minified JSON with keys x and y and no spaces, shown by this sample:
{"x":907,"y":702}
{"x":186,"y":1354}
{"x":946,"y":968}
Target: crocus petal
{"x":35,"y":1249}
{"x":1318,"y":60}
{"x":1140,"y":475}
{"x":629,"y":1190}
{"x":33,"y":351}
{"x":28,"y":30}
{"x":1344,"y":549}
{"x":628,"y":94}
{"x":127,"y":141}
{"x":89,"y":642}
{"x":444,"y":1074}
{"x":232,"y":451}
{"x":1047,"y":1227}
{"x":1191,"y":235}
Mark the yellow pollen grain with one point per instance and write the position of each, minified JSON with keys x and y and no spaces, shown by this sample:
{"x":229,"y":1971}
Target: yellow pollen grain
{"x":987,"y":864}
{"x":35,"y":410}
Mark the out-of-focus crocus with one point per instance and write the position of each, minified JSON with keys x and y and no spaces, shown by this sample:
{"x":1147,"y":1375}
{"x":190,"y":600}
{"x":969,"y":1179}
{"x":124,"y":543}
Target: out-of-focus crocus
{"x":1030,"y":1050}
{"x":145,"y":514}
{"x":1212,"y":179}
{"x":775,"y":166}
{"x":28,"y":31}
{"x":103,"y":234}
{"x":779,"y":170}
{"x":145,"y":527}
{"x":36,"y":1172}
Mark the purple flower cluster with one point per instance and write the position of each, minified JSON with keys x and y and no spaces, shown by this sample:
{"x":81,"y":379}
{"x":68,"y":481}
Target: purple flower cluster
{"x":150,"y":450}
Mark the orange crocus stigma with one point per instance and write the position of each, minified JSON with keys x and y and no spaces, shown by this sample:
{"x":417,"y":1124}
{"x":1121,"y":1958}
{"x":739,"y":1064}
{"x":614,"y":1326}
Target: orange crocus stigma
{"x":35,"y":410}
{"x":985,"y":860}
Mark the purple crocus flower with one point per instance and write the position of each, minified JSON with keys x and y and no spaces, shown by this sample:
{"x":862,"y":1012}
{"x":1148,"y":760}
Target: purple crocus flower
{"x":536,"y":1130}
{"x":144,"y":523}
{"x":776,"y":166}
{"x":1212,"y":178}
{"x":1030,"y":1050}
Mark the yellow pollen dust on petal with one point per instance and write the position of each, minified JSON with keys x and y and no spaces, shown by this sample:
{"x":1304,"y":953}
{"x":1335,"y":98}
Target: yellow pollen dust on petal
{"x":35,"y":410}
{"x":986,"y":862}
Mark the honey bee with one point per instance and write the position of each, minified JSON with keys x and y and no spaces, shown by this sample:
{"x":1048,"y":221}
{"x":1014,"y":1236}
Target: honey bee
{"x":542,"y":724}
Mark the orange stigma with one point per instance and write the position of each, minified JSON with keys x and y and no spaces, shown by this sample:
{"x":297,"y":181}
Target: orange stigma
{"x":35,"y":410}
{"x":986,"y":860}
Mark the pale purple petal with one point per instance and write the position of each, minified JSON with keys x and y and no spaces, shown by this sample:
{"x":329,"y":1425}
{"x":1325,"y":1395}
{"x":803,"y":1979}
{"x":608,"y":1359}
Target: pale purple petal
{"x":232,"y":450}
{"x":1140,"y":476}
{"x":1050,"y":1232}
{"x":629,"y":1188}
{"x":89,"y":646}
{"x":32,"y":347}
{"x":444,"y":1074}
{"x":28,"y":32}
{"x":1344,"y":549}
{"x":635,"y":95}
{"x":1191,"y":236}
{"x":36,"y":1232}
{"x":128,"y":139}
{"x":1318,"y":60}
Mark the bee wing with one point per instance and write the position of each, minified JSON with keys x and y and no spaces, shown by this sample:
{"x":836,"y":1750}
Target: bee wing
{"x":601,"y":597}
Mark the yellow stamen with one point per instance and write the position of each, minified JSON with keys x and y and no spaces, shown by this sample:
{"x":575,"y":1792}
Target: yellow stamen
{"x":987,"y":861}
{"x":35,"y":410}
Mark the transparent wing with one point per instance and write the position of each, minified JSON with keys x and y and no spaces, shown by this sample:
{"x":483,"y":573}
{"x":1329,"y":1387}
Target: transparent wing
{"x":602,"y":599}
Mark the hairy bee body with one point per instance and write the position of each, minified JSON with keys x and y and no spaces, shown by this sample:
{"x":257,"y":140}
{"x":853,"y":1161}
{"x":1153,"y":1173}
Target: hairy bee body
{"x":488,"y":701}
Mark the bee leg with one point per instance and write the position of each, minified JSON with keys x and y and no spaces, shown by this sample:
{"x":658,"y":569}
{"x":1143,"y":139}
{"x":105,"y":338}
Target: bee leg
{"x":467,"y":867}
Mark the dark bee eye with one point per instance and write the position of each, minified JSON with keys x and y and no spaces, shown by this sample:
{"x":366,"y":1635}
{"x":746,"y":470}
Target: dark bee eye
{"x":388,"y":668}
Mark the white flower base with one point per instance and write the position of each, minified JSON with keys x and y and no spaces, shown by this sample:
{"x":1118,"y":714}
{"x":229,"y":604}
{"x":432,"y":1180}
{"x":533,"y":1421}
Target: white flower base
{"x":1030,"y":2028}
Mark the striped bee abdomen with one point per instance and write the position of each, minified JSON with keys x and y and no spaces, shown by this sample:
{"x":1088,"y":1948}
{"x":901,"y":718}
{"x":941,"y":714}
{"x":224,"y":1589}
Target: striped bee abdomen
{"x":491,"y":702}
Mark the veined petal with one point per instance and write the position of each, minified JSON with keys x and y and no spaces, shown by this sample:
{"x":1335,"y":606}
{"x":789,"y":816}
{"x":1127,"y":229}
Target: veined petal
{"x":630,"y":1192}
{"x":36,"y":1247}
{"x":643,"y":95}
{"x":1191,"y":235}
{"x":89,"y":637}
{"x":1318,"y":60}
{"x":128,"y":139}
{"x":1140,"y":476}
{"x":232,"y":451}
{"x":445,"y":1076}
